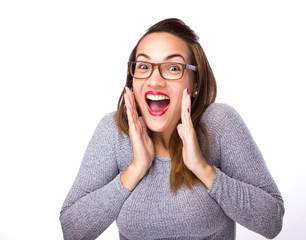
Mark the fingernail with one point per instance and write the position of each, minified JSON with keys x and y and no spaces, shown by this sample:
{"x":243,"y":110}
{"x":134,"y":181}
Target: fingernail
{"x":187,"y":90}
{"x":188,"y":109}
{"x":124,"y":90}
{"x":190,"y":96}
{"x":125,"y":108}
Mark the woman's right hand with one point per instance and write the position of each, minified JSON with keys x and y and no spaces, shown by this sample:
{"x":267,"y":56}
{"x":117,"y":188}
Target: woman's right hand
{"x":142,"y":145}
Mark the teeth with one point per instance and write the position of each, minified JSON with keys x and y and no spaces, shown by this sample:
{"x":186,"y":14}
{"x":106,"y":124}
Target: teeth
{"x":156,"y":97}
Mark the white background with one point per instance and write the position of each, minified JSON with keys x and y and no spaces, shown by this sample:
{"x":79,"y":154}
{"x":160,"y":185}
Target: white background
{"x":63,"y":67}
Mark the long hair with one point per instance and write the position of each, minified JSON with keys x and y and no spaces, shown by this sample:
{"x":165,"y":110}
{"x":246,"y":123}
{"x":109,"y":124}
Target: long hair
{"x":180,"y":175}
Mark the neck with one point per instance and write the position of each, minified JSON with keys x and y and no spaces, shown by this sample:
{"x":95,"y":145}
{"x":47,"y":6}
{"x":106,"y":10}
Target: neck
{"x":161,"y":142}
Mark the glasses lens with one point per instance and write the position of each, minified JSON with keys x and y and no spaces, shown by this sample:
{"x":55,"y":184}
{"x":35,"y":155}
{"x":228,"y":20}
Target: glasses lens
{"x":171,"y":70}
{"x":141,"y":69}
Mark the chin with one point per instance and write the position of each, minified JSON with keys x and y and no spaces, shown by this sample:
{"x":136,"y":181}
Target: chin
{"x":156,"y":128}
{"x":158,"y":124}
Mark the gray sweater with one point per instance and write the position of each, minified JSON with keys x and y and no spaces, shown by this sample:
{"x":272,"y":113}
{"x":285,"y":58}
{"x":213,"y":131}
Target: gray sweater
{"x":243,"y":190}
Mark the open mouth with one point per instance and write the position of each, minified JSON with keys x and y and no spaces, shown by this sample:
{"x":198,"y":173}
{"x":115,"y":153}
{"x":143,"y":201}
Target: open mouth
{"x":157,"y":103}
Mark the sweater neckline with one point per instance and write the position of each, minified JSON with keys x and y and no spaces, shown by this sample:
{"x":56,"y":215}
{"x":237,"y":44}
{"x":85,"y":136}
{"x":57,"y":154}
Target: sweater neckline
{"x":163,"y":159}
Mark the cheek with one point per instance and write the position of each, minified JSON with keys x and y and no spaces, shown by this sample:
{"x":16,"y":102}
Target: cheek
{"x":177,"y":105}
{"x":136,"y":90}
{"x":139,"y":97}
{"x":189,"y":81}
{"x":139,"y":102}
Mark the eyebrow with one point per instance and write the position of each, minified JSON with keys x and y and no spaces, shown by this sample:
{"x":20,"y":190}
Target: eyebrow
{"x":143,"y":55}
{"x":166,"y":58}
{"x":175,"y":55}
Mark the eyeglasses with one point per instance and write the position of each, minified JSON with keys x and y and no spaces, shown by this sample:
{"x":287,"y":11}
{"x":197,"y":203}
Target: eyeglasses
{"x":168,"y":70}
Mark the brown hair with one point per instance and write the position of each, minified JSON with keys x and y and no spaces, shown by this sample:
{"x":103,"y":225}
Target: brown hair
{"x":180,"y":175}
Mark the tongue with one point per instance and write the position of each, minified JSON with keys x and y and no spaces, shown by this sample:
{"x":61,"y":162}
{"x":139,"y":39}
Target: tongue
{"x":158,"y":106}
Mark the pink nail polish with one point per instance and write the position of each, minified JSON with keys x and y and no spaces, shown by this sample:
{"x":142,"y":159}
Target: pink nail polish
{"x":125,"y":108}
{"x":188,"y":109}
{"x":187,"y":90}
{"x":124,"y":90}
{"x":190,"y":96}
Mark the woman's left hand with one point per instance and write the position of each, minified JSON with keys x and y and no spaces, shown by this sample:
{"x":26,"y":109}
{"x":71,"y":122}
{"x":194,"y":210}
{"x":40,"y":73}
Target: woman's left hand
{"x":192,"y":155}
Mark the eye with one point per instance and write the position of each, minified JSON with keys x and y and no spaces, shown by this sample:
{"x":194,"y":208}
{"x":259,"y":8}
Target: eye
{"x":143,"y":66}
{"x":173,"y":68}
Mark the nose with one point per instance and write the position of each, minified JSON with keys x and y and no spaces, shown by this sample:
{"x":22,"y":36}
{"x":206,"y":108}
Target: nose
{"x":156,"y":80}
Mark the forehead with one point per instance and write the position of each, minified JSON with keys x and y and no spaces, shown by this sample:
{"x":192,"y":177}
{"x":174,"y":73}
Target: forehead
{"x":160,"y":45}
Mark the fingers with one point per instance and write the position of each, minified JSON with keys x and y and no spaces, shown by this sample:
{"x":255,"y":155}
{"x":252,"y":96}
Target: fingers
{"x":188,"y":109}
{"x":186,"y":128}
{"x":183,"y":105}
{"x":129,"y":99}
{"x":130,"y":116}
{"x":186,"y":106}
{"x":130,"y":107}
{"x":136,"y":124}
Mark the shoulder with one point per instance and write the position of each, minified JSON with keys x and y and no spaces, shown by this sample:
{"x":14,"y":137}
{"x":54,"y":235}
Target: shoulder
{"x":227,"y":132}
{"x":108,"y":124}
{"x":223,"y":121}
{"x":107,"y":128}
{"x":220,"y":114}
{"x":120,"y":143}
{"x":108,"y":120}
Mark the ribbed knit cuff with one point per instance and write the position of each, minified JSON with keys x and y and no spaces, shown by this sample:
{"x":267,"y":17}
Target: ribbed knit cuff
{"x":120,"y":187}
{"x":216,"y":183}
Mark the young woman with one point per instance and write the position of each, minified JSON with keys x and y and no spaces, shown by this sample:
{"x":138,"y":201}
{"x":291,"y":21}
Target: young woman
{"x":171,"y":163}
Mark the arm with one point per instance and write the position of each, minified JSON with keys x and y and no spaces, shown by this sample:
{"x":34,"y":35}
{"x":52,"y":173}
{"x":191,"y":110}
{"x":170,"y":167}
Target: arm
{"x":243,"y":186}
{"x":97,"y":195}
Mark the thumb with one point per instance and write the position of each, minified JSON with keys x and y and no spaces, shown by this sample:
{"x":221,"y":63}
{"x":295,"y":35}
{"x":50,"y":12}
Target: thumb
{"x":142,"y":123}
{"x":179,"y":130}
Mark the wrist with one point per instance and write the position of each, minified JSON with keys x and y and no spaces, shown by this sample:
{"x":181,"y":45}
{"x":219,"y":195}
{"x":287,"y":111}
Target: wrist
{"x":138,"y":170}
{"x":206,"y":173}
{"x":131,"y":176}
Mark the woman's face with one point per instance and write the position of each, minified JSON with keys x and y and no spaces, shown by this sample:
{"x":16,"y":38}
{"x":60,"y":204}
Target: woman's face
{"x":161,"y":114}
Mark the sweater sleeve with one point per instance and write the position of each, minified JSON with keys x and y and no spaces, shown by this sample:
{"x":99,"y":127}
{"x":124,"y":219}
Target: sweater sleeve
{"x":97,"y":195}
{"x":243,"y":186}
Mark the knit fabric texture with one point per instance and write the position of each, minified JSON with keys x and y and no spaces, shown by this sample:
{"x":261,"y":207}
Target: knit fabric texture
{"x":243,"y":190}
